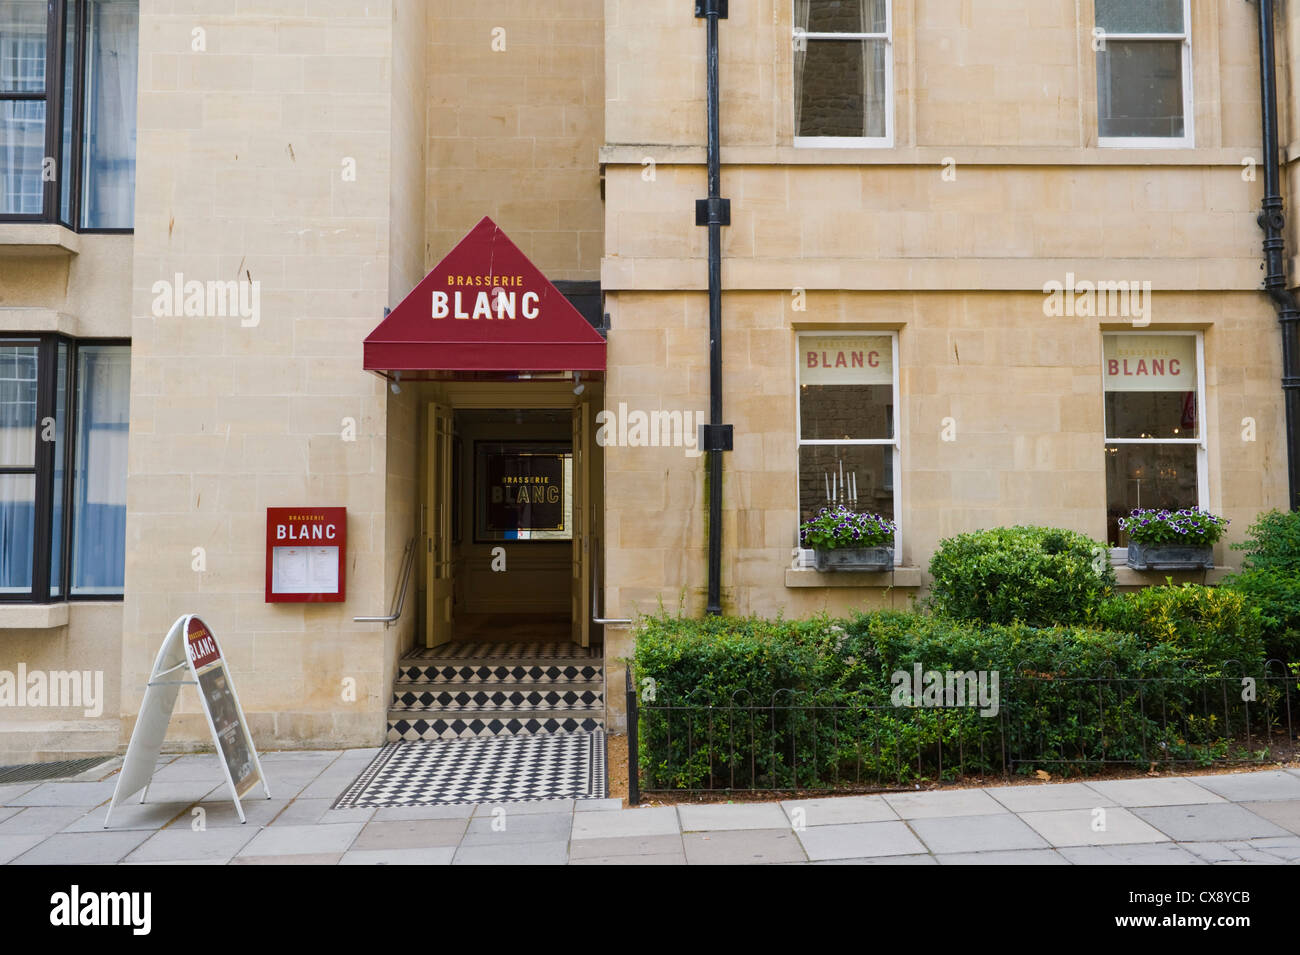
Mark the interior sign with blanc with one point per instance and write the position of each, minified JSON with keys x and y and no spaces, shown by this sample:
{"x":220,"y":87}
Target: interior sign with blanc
{"x":190,"y":649}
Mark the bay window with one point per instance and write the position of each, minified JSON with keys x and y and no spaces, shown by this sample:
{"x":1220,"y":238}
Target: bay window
{"x":68,"y":112}
{"x":847,"y":423}
{"x":1155,"y":434}
{"x":63,"y":428}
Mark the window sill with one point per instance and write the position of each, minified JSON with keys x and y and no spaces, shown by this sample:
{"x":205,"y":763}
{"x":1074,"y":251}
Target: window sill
{"x":1126,"y":576}
{"x":37,"y":238}
{"x":898,"y":577}
{"x":33,"y":616}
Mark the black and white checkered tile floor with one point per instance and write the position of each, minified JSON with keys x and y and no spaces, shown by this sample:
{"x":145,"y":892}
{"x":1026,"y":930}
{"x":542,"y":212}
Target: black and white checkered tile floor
{"x":482,"y":770}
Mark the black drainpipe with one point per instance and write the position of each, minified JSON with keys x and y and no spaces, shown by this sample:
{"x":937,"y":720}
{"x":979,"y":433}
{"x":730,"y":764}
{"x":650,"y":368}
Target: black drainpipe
{"x":714,"y":212}
{"x":1273,"y":221}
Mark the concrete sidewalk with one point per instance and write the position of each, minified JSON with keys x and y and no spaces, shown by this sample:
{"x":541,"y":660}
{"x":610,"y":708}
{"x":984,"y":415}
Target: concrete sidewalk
{"x":1231,"y":818}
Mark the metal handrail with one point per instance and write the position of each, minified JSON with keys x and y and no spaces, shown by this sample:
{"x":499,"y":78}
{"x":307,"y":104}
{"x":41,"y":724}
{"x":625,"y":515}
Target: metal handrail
{"x":596,"y":590}
{"x":408,"y":561}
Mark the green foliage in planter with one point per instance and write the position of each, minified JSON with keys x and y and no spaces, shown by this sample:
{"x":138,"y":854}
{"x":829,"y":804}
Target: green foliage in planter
{"x":1189,"y":527}
{"x":750,"y":703}
{"x":838,"y":527}
{"x":1270,"y":577}
{"x":1204,"y":627}
{"x":1041,"y":576}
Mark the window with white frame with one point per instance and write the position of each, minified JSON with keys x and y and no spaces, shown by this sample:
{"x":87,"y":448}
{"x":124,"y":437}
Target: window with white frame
{"x":847,"y":423}
{"x":1155,"y":433}
{"x":1144,"y":72}
{"x":843,"y":73}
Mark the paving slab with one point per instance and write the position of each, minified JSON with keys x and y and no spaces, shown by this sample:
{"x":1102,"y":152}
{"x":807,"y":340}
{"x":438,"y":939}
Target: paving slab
{"x":1213,"y":853}
{"x":301,"y":840}
{"x":838,"y":811}
{"x":174,"y":845}
{"x":675,"y":858}
{"x":12,"y":846}
{"x":400,"y":813}
{"x":952,"y":802}
{"x":411,"y":834}
{"x":626,"y":846}
{"x":433,"y":855}
{"x":654,"y":821}
{"x":133,"y":815}
{"x":184,"y":790}
{"x":1281,"y":812}
{"x":83,"y":848}
{"x":487,"y":831}
{"x":988,"y":833}
{"x":215,"y":815}
{"x":533,"y":853}
{"x":1154,"y":853}
{"x":306,"y":858}
{"x":1164,"y":791}
{"x":742,"y":847}
{"x":204,"y":768}
{"x":535,"y":807}
{"x":882,"y":860}
{"x":308,"y":812}
{"x":1012,"y":857}
{"x":860,"y":840}
{"x":84,"y":795}
{"x":7,"y":811}
{"x":13,"y":791}
{"x":1216,"y":822}
{"x":41,"y":820}
{"x":721,"y":816}
{"x":1287,"y":848}
{"x":1074,"y":827}
{"x":1048,"y":796}
{"x":596,"y":805}
{"x":1252,"y":787}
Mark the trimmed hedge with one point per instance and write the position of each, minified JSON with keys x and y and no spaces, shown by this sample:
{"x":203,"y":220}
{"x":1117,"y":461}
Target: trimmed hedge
{"x":774,"y":704}
{"x":1041,"y":576}
{"x":1270,"y":578}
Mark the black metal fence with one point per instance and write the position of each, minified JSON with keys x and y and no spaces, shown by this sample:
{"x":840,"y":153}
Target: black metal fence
{"x":807,"y":742}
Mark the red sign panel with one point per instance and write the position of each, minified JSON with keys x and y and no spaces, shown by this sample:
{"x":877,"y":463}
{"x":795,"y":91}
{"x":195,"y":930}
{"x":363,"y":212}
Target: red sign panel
{"x":200,"y":645}
{"x":305,"y":552}
{"x":485,"y":307}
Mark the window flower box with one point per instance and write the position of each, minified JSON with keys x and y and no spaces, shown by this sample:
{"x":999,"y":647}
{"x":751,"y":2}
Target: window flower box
{"x":848,"y":541}
{"x":1172,"y":540}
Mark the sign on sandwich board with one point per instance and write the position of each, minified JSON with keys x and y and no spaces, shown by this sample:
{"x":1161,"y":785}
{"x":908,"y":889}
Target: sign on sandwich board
{"x":190,"y":649}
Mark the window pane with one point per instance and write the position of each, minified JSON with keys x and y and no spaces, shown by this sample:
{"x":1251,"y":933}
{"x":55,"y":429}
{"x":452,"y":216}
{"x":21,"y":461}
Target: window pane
{"x":60,"y":446}
{"x":18,"y":405}
{"x":840,"y":88}
{"x":1147,"y":475}
{"x":846,"y":387}
{"x":860,"y":476}
{"x":17,"y":524}
{"x":1150,"y":382}
{"x":1140,"y":88}
{"x":1140,"y":16}
{"x":1151,"y":414}
{"x":69,"y":92}
{"x":22,"y":46}
{"x":99,"y":489}
{"x":840,"y":16}
{"x":22,"y":147}
{"x":108,"y":141}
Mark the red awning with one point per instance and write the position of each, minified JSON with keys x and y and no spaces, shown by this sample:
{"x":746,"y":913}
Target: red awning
{"x":485,"y":308}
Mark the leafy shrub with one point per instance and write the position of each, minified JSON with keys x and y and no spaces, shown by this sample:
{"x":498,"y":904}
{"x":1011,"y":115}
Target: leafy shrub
{"x":1270,"y":578}
{"x":836,"y":527}
{"x":1205,"y":627}
{"x":1041,"y":576}
{"x":1190,"y":526}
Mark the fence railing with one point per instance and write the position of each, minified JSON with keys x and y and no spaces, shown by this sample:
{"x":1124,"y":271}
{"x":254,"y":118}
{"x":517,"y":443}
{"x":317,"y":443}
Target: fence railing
{"x":1066,"y":725}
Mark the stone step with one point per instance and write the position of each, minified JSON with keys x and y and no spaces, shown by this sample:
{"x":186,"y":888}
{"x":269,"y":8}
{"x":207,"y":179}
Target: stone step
{"x":462,"y":672}
{"x":445,"y":698}
{"x":427,"y":726}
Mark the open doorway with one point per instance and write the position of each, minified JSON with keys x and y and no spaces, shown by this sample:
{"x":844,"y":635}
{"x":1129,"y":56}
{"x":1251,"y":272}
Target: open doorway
{"x":509,"y":517}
